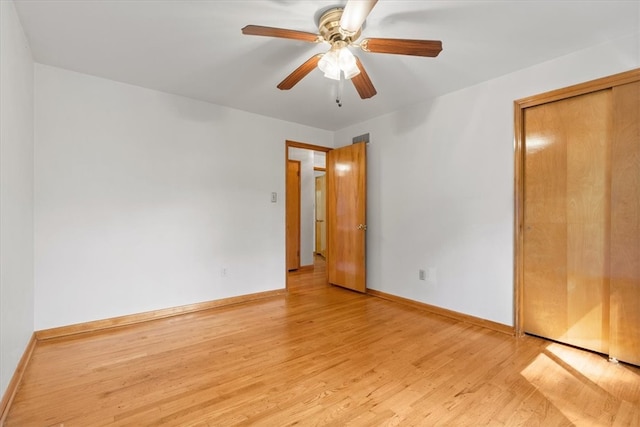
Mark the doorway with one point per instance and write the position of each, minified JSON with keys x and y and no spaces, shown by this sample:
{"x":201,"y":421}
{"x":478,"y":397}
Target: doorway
{"x":344,"y":216}
{"x":305,"y":237}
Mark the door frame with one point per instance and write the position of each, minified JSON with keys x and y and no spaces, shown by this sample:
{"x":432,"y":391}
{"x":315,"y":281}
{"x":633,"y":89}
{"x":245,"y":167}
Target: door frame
{"x":306,"y":146}
{"x":520,"y":106}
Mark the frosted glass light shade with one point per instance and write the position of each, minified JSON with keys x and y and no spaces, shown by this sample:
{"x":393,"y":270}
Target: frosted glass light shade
{"x":347,"y":63}
{"x":337,"y":60}
{"x":329,"y":65}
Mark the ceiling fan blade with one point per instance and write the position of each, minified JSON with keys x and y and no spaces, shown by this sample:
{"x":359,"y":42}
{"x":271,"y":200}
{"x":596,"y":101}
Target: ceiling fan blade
{"x":430,"y":48}
{"x":354,"y":14}
{"x":299,"y":73}
{"x":258,"y":30}
{"x":362,"y":82}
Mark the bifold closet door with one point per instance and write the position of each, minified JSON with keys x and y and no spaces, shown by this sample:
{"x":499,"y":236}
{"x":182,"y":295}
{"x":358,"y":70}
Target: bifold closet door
{"x":566,"y":220}
{"x":625,"y":225}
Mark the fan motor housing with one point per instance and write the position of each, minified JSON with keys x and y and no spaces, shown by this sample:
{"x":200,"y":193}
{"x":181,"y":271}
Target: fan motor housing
{"x":329,"y":27}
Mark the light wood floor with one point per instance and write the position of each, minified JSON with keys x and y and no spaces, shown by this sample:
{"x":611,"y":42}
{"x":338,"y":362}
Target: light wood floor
{"x":319,"y":356}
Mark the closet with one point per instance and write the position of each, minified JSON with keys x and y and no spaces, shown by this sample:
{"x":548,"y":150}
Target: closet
{"x":577,"y":216}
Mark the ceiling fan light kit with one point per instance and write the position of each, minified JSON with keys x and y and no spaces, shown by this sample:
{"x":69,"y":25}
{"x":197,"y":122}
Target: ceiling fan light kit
{"x":338,"y":59}
{"x":341,"y":28}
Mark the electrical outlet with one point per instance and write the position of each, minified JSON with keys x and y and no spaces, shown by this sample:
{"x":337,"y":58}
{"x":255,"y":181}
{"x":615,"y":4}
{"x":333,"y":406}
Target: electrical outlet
{"x":223,"y":272}
{"x":428,"y":275}
{"x":274,"y":197}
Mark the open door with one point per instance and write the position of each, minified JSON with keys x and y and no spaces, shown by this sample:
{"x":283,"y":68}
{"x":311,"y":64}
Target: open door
{"x":293,"y":215}
{"x":346,"y":216}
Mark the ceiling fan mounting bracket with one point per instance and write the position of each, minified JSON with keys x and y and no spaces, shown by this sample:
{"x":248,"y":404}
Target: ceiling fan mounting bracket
{"x":329,"y":28}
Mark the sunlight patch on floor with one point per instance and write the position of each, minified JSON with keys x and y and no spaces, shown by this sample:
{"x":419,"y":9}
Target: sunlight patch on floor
{"x":597,"y":369}
{"x":554,"y":381}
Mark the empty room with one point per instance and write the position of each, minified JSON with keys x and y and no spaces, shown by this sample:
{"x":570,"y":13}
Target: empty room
{"x":351,"y":212}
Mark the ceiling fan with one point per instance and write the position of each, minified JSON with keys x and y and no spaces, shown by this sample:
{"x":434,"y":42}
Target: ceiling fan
{"x":341,"y":28}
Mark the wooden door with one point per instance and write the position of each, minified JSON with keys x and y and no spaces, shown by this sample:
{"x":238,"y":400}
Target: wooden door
{"x":293,"y":214}
{"x":321,"y":208}
{"x":625,"y":225}
{"x":566,"y":220}
{"x":346,"y":216}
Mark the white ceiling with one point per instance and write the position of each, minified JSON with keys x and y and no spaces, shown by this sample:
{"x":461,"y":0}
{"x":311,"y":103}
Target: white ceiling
{"x":196,"y":49}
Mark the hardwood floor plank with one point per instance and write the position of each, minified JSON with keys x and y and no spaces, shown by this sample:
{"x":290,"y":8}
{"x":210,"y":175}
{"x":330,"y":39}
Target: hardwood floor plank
{"x":320,"y":355}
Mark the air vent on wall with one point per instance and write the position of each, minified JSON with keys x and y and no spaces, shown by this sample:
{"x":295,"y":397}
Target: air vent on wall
{"x":361,"y":138}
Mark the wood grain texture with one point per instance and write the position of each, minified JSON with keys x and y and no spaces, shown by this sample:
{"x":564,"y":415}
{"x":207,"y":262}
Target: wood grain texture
{"x":132,"y":319}
{"x":346,"y":216}
{"x":259,"y":30}
{"x":580,"y":89}
{"x":299,"y":73}
{"x":545,"y":233}
{"x":499,"y":327}
{"x":306,"y":146}
{"x":588,"y":174}
{"x":363,"y":83}
{"x":520,"y":108}
{"x":518,"y":218}
{"x":566,"y":220}
{"x":293,"y":214}
{"x":625,"y":224}
{"x":428,"y":48}
{"x":320,"y":355}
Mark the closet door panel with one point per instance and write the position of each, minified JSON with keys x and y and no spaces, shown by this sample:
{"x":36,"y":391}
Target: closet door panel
{"x":625,"y":225}
{"x":545,"y":239}
{"x":566,"y":220}
{"x":588,"y":139}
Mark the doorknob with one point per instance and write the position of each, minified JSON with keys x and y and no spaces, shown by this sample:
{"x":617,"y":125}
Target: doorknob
{"x":362,"y":227}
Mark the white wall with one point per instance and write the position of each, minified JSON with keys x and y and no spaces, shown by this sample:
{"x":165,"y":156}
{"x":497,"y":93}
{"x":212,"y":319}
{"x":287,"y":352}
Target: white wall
{"x":319,"y":160}
{"x":440,"y":185}
{"x":16,"y":192}
{"x":142,"y":198}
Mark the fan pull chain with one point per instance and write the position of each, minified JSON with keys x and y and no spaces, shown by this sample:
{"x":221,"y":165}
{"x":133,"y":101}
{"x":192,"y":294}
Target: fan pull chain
{"x":340,"y":89}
